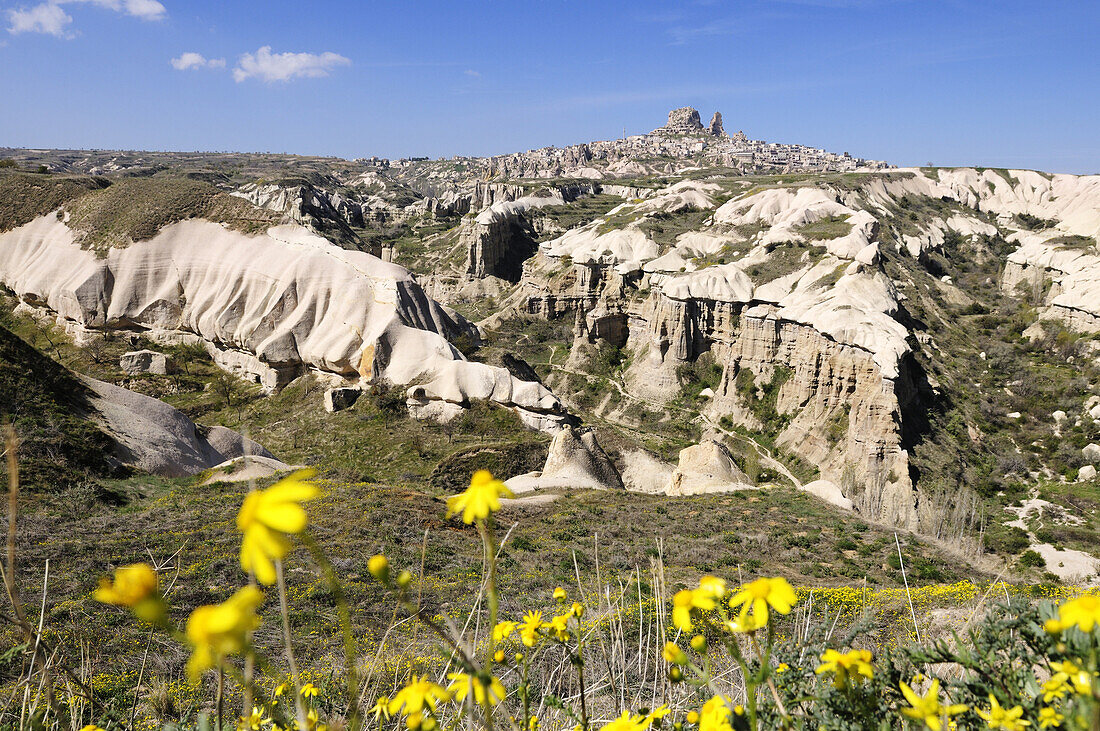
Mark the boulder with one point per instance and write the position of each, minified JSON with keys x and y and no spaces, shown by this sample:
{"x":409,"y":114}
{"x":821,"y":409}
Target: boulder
{"x":146,"y":361}
{"x":1088,"y":472}
{"x":643,"y":472}
{"x":338,"y":399}
{"x":575,"y":461}
{"x":829,"y":492}
{"x":153,"y":437}
{"x":241,"y":469}
{"x":705,"y":468}
{"x":1092,"y":453}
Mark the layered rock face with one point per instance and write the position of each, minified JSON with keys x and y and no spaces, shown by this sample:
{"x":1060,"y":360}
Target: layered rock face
{"x":271,"y":306}
{"x":497,"y":240}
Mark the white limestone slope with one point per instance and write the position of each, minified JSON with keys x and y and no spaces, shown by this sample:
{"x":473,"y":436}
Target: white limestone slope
{"x":276,"y":304}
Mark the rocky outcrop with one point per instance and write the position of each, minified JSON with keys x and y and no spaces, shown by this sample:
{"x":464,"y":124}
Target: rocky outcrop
{"x":286,"y":300}
{"x":329,"y":213}
{"x":706,"y":468}
{"x":146,"y":361}
{"x":715,"y":127}
{"x":832,"y":404}
{"x":1072,"y":273}
{"x":338,"y":399}
{"x":683,"y":121}
{"x":153,"y":437}
{"x":575,"y":461}
{"x":499,"y":238}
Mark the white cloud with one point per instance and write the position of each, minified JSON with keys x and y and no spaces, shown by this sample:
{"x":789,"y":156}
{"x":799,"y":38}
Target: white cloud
{"x":45,"y":18}
{"x":471,"y":72}
{"x":268,"y":66}
{"x":192,"y":60}
{"x":144,"y":9}
{"x":50,"y":18}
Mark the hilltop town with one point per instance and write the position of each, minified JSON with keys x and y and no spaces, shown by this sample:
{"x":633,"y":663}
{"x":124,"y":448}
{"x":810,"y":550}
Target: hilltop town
{"x":683,"y":139}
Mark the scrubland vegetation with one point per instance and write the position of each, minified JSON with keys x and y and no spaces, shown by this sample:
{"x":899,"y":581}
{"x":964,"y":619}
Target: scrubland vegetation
{"x":366,"y":644}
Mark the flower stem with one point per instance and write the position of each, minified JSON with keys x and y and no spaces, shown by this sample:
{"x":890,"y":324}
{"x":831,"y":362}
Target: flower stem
{"x":298,"y":707}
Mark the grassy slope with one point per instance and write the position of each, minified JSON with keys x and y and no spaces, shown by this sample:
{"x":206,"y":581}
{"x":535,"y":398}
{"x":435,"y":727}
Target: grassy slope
{"x":48,"y":407}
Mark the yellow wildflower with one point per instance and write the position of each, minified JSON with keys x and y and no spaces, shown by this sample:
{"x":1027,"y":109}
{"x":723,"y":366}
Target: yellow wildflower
{"x":745,"y":623}
{"x":498,"y":656}
{"x":218,"y":630}
{"x":849,"y":668}
{"x":1050,"y":718}
{"x":659,"y":712}
{"x":379,"y":710}
{"x":1053,"y":626}
{"x":280,"y":690}
{"x":705,"y":598}
{"x":379,"y":567}
{"x":577,"y":609}
{"x":1082,"y":612}
{"x":503,"y":631}
{"x":559,"y":594}
{"x":715,"y":715}
{"x":628,"y":722}
{"x":692,"y":717}
{"x":267,"y":517}
{"x":928,"y":708}
{"x":313,"y":721}
{"x":529,"y":630}
{"x":699,"y":644}
{"x":558,"y":627}
{"x":673,"y":654}
{"x":412,"y":700}
{"x":480,"y":499}
{"x":309,"y":690}
{"x":91,"y":727}
{"x":1008,"y":719}
{"x":1081,"y":679}
{"x":1055,"y":687}
{"x":135,"y":586}
{"x":758,"y":595}
{"x":254,"y":720}
{"x":463,"y":684}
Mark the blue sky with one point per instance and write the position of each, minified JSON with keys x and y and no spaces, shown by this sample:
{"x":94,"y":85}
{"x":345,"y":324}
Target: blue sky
{"x":982,"y":82}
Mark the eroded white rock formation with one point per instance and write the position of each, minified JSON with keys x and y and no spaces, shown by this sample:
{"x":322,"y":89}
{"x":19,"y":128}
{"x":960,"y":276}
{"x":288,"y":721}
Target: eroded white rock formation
{"x":274,"y":305}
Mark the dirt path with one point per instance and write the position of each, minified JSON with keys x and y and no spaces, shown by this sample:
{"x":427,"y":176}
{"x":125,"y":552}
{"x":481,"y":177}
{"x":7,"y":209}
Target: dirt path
{"x":767,"y":458}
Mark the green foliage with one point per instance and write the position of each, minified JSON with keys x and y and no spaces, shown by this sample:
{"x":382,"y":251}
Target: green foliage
{"x":1034,"y":223}
{"x":761,"y":401}
{"x":699,"y":374}
{"x":827,"y":228}
{"x":51,"y":412}
{"x":1032,"y":559}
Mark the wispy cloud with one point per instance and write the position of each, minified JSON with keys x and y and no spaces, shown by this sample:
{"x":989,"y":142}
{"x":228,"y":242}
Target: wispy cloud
{"x":682,"y":34}
{"x":191,"y":60}
{"x":50,"y":17}
{"x":45,"y":18}
{"x":471,"y":72}
{"x":270,"y":67}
